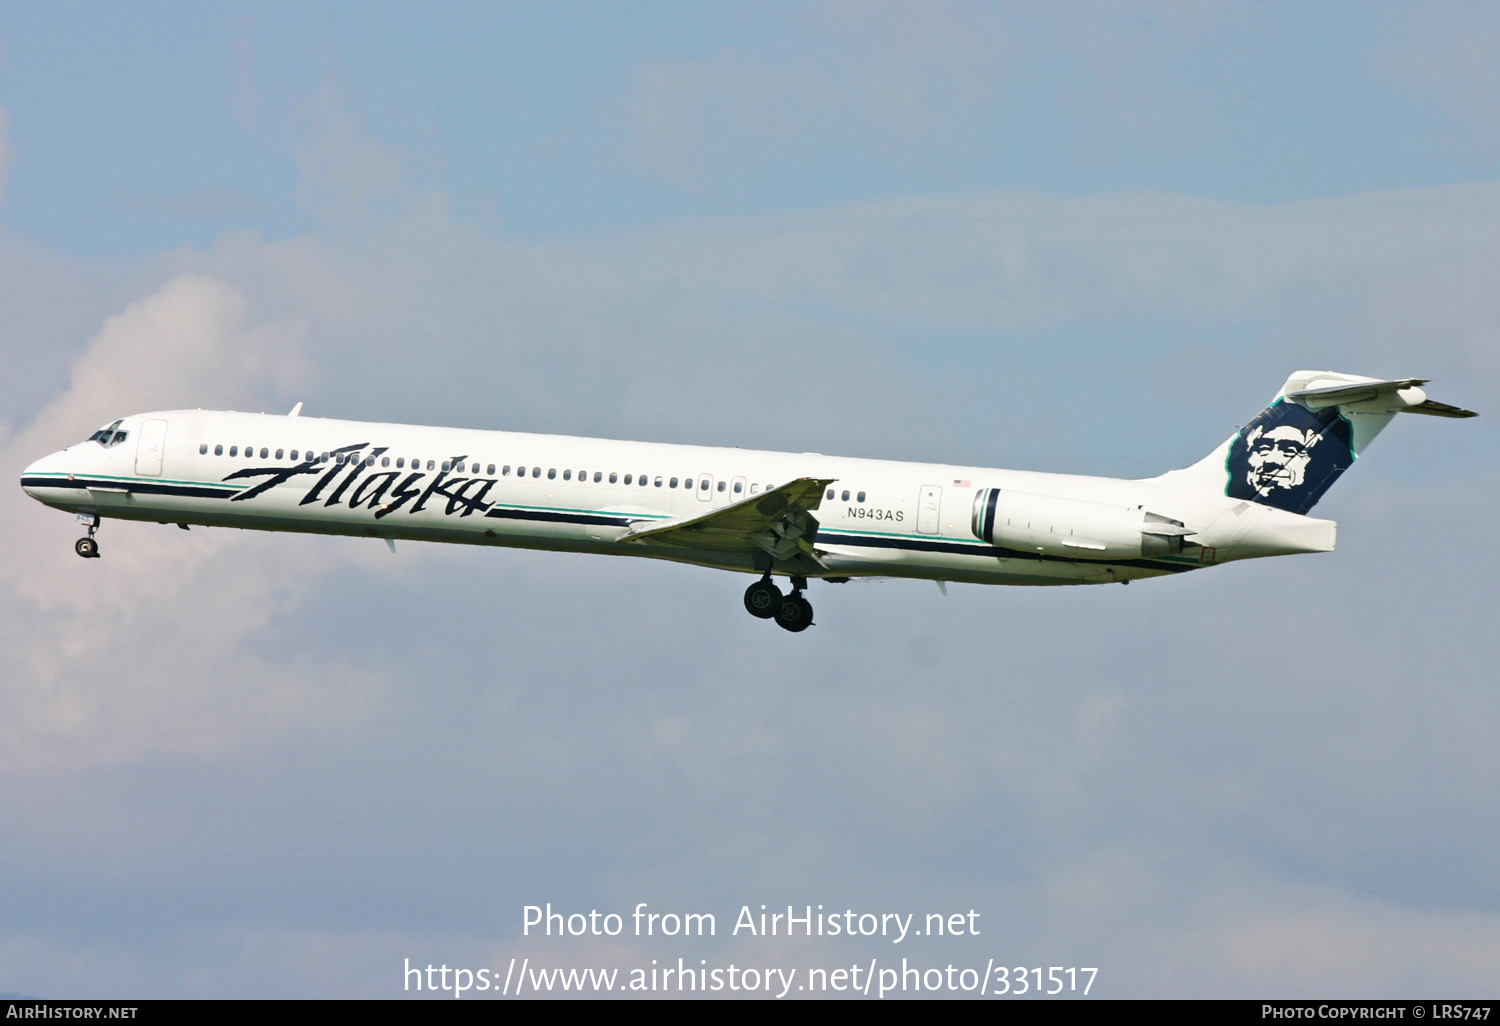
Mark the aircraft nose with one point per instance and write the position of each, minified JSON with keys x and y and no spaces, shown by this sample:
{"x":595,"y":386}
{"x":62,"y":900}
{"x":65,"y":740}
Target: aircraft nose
{"x":36,"y":476}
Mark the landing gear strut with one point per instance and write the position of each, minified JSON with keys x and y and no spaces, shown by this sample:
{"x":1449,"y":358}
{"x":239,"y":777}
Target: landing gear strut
{"x":792,"y":612}
{"x":87,"y":547}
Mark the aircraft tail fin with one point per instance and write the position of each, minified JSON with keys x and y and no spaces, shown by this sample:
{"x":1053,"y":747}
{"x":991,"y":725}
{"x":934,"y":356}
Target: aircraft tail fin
{"x":1296,"y":448}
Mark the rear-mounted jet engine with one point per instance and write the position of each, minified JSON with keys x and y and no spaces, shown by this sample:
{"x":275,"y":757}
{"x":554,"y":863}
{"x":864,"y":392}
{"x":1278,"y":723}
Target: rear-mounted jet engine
{"x":1076,"y":528}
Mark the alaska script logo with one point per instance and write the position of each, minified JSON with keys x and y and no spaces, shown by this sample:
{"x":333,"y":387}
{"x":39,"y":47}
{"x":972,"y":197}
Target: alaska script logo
{"x":384,"y":491}
{"x":1288,"y":456}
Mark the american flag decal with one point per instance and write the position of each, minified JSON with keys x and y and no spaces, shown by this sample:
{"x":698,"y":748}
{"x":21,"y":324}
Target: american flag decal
{"x":960,"y":484}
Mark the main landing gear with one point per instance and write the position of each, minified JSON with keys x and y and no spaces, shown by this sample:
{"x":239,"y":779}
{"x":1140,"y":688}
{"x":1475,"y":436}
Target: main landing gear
{"x":792,"y":612}
{"x":87,"y":547}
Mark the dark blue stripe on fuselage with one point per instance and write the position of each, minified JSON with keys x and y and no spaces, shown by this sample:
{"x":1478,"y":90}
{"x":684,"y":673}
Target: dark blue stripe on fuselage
{"x":555,"y":517}
{"x":141,"y":487}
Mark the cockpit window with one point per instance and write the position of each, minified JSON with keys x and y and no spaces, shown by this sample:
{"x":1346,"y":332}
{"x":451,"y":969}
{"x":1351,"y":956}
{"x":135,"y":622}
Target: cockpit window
{"x":109,"y":435}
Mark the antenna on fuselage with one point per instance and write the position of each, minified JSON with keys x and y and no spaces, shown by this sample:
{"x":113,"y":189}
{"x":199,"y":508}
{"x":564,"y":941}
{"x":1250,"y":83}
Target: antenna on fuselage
{"x":296,"y":411}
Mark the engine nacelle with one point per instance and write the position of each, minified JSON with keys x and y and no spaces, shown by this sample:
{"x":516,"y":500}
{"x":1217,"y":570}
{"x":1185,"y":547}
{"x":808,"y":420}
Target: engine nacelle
{"x":1075,"y":528}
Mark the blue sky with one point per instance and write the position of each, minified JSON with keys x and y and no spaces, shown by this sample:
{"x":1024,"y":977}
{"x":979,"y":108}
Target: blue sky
{"x":145,"y":127}
{"x":1089,"y":238}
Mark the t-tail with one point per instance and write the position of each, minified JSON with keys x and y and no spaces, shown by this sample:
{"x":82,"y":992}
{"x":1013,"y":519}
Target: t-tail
{"x":1296,"y":448}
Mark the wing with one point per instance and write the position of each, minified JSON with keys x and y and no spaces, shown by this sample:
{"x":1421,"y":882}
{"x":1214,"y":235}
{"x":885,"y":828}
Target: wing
{"x":778,"y":522}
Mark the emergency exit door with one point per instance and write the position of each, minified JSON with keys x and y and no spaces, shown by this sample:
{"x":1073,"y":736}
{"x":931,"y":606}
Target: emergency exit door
{"x":929,"y":509}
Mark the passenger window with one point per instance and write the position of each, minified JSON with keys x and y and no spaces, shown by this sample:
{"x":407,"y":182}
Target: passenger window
{"x":431,"y":465}
{"x":739,"y":486}
{"x":505,"y":470}
{"x":860,"y":497}
{"x":673,"y":484}
{"x":754,"y":488}
{"x":385,"y":461}
{"x":721,"y":486}
{"x":627,"y":477}
{"x":658,"y":482}
{"x":536,"y":471}
{"x":491,"y":471}
{"x":843,"y":498}
{"x":613,"y":477}
{"x":703,"y":484}
{"x":203,"y":449}
{"x":598,"y":476}
{"x":567,"y":475}
{"x":218,"y":450}
{"x":234,"y":450}
{"x":280,"y":453}
{"x":830,"y":493}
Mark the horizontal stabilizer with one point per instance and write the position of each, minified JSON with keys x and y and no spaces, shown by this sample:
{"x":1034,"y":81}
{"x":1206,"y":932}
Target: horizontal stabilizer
{"x":1402,"y":395}
{"x":1433,"y":408}
{"x":1293,"y":451}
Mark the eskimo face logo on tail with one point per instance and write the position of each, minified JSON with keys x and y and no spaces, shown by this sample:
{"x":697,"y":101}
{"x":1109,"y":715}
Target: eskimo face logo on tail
{"x":1288,"y":456}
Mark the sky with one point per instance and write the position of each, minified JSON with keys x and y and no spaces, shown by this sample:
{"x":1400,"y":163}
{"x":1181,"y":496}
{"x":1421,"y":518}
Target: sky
{"x":1088,"y":237}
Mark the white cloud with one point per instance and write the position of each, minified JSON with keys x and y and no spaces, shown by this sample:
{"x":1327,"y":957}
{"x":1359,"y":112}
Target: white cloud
{"x":526,"y":711}
{"x":70,"y":625}
{"x":344,"y":172}
{"x":1317,"y":942}
{"x":1448,"y":53}
{"x":7,"y":151}
{"x":899,"y":76}
{"x":244,"y":97}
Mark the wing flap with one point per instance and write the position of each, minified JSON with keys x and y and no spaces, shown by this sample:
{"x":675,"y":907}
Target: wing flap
{"x":778,"y":521}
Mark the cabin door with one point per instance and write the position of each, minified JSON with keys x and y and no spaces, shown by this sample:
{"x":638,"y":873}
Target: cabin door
{"x":148,"y":450}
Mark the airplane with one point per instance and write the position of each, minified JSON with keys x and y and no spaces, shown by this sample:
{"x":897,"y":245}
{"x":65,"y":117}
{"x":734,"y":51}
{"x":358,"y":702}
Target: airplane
{"x":800,"y":516}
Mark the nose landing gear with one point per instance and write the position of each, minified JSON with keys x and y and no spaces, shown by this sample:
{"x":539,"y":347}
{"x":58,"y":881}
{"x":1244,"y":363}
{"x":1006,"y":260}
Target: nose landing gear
{"x":791,"y":612}
{"x":87,"y":547}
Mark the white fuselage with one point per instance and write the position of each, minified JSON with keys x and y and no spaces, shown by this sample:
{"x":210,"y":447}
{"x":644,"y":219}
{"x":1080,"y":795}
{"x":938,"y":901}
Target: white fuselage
{"x":393,"y":481}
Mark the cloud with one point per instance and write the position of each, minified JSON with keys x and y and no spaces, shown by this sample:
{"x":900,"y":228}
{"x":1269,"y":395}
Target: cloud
{"x":67,"y":631}
{"x":344,"y":172}
{"x":898,"y":77}
{"x":1314,"y":942}
{"x":376,"y":757}
{"x":244,"y":97}
{"x":936,"y":90}
{"x":7,"y":151}
{"x":1449,"y":54}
